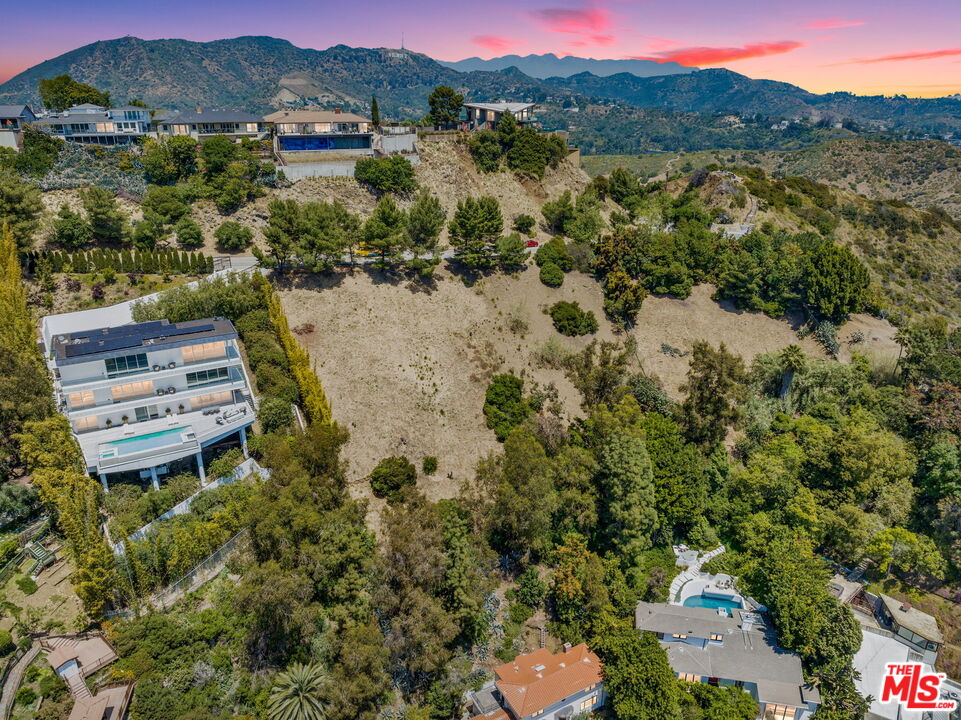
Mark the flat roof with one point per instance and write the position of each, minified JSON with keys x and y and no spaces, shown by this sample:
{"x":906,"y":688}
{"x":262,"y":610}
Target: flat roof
{"x":211,"y":116}
{"x":749,"y":651}
{"x":915,"y":620}
{"x":500,"y":106}
{"x":309,"y":116}
{"x":84,"y":345}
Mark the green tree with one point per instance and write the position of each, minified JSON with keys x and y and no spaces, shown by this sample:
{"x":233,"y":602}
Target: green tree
{"x":386,"y":230}
{"x":474,"y":229}
{"x":627,"y":492}
{"x":599,"y":371}
{"x":394,"y":173}
{"x":637,"y":677}
{"x":792,"y":360}
{"x":358,"y":672}
{"x":485,"y":148}
{"x":836,"y":282}
{"x":557,"y":213}
{"x":284,"y":231}
{"x":554,"y":251}
{"x":217,"y":153}
{"x":504,"y":404}
{"x":374,"y":111}
{"x":445,"y":105}
{"x":679,"y":486}
{"x":298,"y":694}
{"x":570,"y":319}
{"x":71,"y":229}
{"x":62,"y":92}
{"x":329,"y":229}
{"x":511,"y":251}
{"x":907,"y":551}
{"x":716,"y":384}
{"x":551,"y":275}
{"x":164,"y":203}
{"x":524,"y":224}
{"x":107,"y":222}
{"x":425,"y":220}
{"x":20,"y":208}
{"x":188,"y":232}
{"x":233,"y":236}
{"x":391,"y":476}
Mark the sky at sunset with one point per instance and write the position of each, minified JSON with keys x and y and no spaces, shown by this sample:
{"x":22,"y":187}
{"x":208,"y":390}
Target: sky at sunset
{"x":865,"y":46}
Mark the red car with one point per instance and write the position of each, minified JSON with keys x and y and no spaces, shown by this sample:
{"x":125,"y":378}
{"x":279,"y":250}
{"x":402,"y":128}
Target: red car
{"x":532,"y":243}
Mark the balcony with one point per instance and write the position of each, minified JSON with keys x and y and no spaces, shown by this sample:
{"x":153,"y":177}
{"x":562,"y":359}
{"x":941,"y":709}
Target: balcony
{"x":67,"y":386}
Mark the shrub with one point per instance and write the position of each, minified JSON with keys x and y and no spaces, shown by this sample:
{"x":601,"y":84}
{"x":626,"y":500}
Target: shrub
{"x":164,"y":202}
{"x":389,"y":174}
{"x":485,"y":148}
{"x":504,"y":405}
{"x":27,"y":585}
{"x":233,"y":236}
{"x":253,"y":321}
{"x":649,"y":394}
{"x":225,"y":464}
{"x":524,"y":224}
{"x":274,"y":414}
{"x":25,"y":696}
{"x":263,"y":348}
{"x":554,"y":251}
{"x":391,"y":475}
{"x":570,"y":320}
{"x":71,"y":229}
{"x":276,"y":381}
{"x":8,"y":548}
{"x":530,"y":588}
{"x":429,"y":465}
{"x":6,"y":642}
{"x":188,"y":232}
{"x":147,"y":233}
{"x":551,"y":275}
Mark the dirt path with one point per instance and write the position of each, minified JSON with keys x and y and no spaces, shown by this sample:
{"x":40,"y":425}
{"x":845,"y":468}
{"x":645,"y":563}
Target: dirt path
{"x":13,"y":680}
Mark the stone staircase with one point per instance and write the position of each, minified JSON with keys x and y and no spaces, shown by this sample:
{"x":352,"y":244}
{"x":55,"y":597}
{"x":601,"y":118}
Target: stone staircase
{"x":692,"y":572}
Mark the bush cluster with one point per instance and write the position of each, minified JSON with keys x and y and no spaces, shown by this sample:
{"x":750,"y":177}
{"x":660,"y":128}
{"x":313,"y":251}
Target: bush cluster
{"x":170,"y":262}
{"x":570,"y":319}
{"x":390,"y":174}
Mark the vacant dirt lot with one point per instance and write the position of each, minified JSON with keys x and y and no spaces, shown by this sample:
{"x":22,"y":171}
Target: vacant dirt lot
{"x":406,"y":368}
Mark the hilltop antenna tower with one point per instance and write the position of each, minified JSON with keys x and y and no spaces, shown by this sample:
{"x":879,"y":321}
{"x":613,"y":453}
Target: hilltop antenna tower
{"x":402,"y":40}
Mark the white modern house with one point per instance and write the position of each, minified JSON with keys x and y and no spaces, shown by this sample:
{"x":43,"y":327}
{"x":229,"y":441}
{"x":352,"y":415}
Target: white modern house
{"x":143,"y":397}
{"x":95,"y":125}
{"x":12,"y":120}
{"x":486,"y":115}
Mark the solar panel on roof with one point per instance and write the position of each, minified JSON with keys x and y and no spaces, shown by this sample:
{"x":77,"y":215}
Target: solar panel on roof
{"x":129,"y":336}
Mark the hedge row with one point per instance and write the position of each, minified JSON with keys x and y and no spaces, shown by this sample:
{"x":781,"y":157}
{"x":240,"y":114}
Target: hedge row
{"x":312,"y":395}
{"x":172,"y":262}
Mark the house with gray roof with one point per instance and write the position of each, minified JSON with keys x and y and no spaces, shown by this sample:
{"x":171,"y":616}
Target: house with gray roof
{"x":89,"y":124}
{"x":737,"y":648}
{"x":202,"y":123}
{"x":486,"y":115}
{"x":12,"y":120}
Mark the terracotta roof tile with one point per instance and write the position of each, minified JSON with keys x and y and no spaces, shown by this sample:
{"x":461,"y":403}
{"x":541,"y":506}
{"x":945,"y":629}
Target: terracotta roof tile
{"x":539,"y":679}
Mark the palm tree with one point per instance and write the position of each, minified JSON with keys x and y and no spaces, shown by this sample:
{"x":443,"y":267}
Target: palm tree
{"x":297,"y":694}
{"x":792,"y":361}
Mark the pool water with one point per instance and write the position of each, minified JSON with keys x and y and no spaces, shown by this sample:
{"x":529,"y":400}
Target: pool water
{"x":140,"y":443}
{"x":715,"y":603}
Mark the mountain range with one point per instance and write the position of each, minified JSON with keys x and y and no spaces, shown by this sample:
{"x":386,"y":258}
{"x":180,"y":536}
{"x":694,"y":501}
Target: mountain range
{"x":261,"y":73}
{"x":549,"y":65}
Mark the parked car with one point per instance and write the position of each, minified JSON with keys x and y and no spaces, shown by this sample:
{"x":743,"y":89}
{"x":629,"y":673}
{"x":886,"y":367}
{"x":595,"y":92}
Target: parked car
{"x":532,"y":243}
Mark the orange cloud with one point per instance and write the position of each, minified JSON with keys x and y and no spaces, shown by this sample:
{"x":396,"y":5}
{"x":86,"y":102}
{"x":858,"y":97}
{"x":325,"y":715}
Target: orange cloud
{"x":920,"y":55}
{"x":699,"y":56}
{"x":493,"y":42}
{"x":832,"y":24}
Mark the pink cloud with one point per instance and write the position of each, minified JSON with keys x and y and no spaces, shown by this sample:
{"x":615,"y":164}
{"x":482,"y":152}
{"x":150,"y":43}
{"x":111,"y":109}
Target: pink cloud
{"x":591,"y":20}
{"x":699,"y":56}
{"x":832,"y":23}
{"x":919,"y":55}
{"x":494,"y":42}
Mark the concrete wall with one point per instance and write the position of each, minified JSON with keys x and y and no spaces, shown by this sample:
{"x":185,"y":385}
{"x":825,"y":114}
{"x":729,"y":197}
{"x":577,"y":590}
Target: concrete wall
{"x":335,"y":168}
{"x":398,"y":143}
{"x":10,"y":139}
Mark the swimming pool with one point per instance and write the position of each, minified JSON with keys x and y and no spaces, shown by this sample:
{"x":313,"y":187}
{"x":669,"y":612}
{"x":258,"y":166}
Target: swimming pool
{"x":143,"y":443}
{"x":715,"y":603}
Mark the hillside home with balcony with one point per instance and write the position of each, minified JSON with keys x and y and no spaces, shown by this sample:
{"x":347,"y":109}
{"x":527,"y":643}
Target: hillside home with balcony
{"x":485,"y":116}
{"x":201,"y":124}
{"x":731,"y":648}
{"x":12,"y":120}
{"x":542,"y":685}
{"x":330,"y":131}
{"x":95,"y":125}
{"x":146,"y":396}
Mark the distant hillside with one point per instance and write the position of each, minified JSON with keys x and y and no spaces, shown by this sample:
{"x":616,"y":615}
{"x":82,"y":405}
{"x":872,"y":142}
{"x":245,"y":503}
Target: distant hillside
{"x":549,"y":65}
{"x":725,"y":91}
{"x":921,"y":173}
{"x":260,"y":73}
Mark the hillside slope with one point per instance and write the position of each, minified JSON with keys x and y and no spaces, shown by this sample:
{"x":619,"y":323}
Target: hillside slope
{"x":549,"y":65}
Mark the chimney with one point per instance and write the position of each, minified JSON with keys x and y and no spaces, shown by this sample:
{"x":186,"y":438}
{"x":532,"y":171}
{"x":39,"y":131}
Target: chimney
{"x":567,"y":647}
{"x":905,"y":606}
{"x":199,"y":109}
{"x":336,"y":111}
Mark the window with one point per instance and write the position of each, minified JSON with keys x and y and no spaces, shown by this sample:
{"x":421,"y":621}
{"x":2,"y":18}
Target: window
{"x":779,"y":712}
{"x":105,"y":127}
{"x":81,"y":399}
{"x":126,"y":365}
{"x":87,"y":423}
{"x":207,"y":377}
{"x":204,"y":351}
{"x":689,"y":677}
{"x":680,"y":636}
{"x":717,"y":637}
{"x":252,"y":127}
{"x":132,"y":390}
{"x":539,"y":712}
{"x":589,"y":703}
{"x":202,"y":401}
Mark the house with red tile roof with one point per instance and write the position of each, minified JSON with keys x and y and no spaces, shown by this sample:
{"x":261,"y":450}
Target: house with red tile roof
{"x":543,"y":685}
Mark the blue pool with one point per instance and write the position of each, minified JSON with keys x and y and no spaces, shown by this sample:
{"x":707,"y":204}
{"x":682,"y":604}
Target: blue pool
{"x":150,"y":441}
{"x":715,"y":603}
